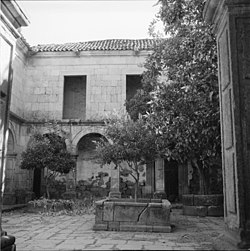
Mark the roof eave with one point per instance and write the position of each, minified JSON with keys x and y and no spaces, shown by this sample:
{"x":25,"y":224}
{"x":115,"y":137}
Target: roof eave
{"x":14,"y":14}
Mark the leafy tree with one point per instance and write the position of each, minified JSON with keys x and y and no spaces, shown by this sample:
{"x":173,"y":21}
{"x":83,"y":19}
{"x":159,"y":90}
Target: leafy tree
{"x":47,"y":152}
{"x":132,"y":143}
{"x":183,"y":100}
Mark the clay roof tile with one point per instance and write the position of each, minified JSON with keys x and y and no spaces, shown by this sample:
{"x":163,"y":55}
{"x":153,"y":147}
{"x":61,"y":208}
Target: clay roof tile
{"x":99,"y":45}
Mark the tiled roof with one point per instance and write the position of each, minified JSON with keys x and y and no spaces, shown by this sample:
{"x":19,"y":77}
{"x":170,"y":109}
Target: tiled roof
{"x":100,"y":45}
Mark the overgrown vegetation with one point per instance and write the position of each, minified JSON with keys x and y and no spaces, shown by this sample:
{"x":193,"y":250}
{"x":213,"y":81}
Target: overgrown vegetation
{"x":60,"y":207}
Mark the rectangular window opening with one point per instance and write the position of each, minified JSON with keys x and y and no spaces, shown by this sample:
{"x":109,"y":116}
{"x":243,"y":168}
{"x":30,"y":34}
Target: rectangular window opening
{"x":74,"y":97}
{"x":133,"y":83}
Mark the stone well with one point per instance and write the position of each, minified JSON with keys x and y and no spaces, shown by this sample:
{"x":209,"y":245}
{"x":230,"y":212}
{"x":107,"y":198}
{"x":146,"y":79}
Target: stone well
{"x":145,"y":215}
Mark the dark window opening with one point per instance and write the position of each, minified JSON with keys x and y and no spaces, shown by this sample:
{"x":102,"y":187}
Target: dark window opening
{"x":74,"y":98}
{"x":133,"y":83}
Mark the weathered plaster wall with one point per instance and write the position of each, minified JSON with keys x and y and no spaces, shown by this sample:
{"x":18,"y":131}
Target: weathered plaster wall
{"x":106,"y":81}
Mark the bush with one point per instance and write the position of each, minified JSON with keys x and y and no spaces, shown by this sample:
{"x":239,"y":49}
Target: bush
{"x":58,"y":207}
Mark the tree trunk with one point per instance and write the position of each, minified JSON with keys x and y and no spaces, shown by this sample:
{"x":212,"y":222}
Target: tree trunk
{"x":136,"y":191}
{"x":202,"y":189}
{"x":202,"y":181}
{"x":137,"y":184}
{"x":47,"y":187}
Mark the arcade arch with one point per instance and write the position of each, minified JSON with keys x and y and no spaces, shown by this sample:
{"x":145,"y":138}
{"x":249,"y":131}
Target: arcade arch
{"x":10,"y":177}
{"x":87,"y":168}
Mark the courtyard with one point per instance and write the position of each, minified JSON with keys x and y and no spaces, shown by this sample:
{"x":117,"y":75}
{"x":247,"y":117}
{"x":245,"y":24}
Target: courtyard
{"x":67,"y":232}
{"x":187,"y":140}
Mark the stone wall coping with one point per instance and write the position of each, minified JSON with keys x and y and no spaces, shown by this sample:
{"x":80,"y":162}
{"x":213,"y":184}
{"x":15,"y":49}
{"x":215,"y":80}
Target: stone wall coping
{"x":203,"y":195}
{"x":87,"y":53}
{"x":100,"y":202}
{"x":146,"y":200}
{"x":155,"y":204}
{"x":120,"y":202}
{"x":127,"y":203}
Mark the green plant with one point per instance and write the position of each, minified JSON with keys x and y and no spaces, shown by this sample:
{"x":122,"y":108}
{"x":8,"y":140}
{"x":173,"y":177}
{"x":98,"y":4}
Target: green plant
{"x":47,"y":152}
{"x":180,"y":89}
{"x":60,"y":207}
{"x":132,"y":143}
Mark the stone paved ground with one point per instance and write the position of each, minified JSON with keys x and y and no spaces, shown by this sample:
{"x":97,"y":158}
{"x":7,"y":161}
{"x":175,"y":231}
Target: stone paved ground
{"x":64,"y":232}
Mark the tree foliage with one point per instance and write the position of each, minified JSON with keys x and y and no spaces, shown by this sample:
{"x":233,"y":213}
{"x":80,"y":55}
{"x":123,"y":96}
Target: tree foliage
{"x":131,"y":142}
{"x":48,"y":152}
{"x":181,"y":76}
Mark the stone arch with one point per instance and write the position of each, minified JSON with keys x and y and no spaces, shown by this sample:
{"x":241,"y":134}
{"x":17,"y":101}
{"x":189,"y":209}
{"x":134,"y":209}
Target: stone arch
{"x":87,"y":141}
{"x":82,"y":133}
{"x":10,"y":170}
{"x":59,"y":133}
{"x":12,"y":136}
{"x":89,"y":172}
{"x":11,"y":142}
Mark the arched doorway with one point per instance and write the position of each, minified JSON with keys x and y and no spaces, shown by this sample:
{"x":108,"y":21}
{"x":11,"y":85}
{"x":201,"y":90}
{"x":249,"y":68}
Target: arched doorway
{"x":10,"y":182}
{"x":89,"y":173}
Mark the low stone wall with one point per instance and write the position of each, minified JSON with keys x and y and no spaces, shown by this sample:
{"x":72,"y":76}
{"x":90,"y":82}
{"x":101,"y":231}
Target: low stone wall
{"x":203,"y":205}
{"x":17,"y":197}
{"x":127,"y":215}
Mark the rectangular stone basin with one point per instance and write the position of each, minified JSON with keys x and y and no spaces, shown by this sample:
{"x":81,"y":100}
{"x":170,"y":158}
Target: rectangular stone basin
{"x":144,"y":215}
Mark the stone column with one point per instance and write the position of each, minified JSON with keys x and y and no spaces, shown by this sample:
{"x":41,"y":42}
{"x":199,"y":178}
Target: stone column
{"x":231,"y":19}
{"x":115,"y":183}
{"x":150,"y":179}
{"x":159,"y":179}
{"x":71,"y":181}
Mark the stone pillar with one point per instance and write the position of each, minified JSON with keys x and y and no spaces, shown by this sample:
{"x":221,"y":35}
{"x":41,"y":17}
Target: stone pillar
{"x":115,"y":183}
{"x":231,"y":19}
{"x":183,"y":180}
{"x":159,"y":179}
{"x":150,"y":180}
{"x":71,"y":182}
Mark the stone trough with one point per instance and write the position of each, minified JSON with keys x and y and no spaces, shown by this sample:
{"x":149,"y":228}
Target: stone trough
{"x":145,"y":215}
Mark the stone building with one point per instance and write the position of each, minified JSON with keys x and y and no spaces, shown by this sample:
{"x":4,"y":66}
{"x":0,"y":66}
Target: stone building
{"x":76,"y":85}
{"x":12,"y":19}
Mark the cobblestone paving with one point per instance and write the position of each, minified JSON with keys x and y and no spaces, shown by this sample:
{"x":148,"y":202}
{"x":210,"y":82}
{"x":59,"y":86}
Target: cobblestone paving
{"x":64,"y":232}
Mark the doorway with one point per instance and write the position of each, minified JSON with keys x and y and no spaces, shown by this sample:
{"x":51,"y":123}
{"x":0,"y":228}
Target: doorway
{"x":37,"y":182}
{"x":171,"y":180}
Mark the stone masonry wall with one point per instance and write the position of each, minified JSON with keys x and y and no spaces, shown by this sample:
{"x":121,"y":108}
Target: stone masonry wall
{"x":18,"y":182}
{"x":106,"y":81}
{"x":38,"y":88}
